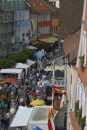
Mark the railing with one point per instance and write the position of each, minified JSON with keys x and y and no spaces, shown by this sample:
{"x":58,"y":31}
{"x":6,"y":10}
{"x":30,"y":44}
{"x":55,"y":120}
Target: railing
{"x":73,"y":54}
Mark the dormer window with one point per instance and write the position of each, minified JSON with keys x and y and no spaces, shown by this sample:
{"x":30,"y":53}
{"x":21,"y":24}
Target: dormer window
{"x":34,"y":4}
{"x":41,"y":4}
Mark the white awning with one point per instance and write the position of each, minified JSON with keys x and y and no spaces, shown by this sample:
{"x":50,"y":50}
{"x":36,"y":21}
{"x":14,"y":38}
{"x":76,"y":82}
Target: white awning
{"x":30,"y":62}
{"x":22,"y":117}
{"x":32,"y":47}
{"x":49,"y":40}
{"x":50,"y":68}
{"x":11,"y":71}
{"x":22,"y":66}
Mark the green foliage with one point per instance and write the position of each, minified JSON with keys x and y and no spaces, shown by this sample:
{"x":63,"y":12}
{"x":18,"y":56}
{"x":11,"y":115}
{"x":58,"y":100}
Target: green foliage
{"x":43,"y":45}
{"x":78,"y":113}
{"x":29,"y":53}
{"x":76,"y":108}
{"x":82,"y":123}
{"x":19,"y":57}
{"x":82,"y":62}
{"x":6,"y":63}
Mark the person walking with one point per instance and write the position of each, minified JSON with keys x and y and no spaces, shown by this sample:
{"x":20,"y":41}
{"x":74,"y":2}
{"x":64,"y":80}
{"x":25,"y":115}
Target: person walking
{"x":5,"y":122}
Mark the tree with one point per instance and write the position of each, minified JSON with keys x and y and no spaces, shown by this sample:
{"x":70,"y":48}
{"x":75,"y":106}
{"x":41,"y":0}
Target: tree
{"x":29,"y":53}
{"x":43,"y":45}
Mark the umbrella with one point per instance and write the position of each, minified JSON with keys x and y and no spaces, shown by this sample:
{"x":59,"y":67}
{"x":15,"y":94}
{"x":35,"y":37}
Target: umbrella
{"x":37,"y":128}
{"x":46,"y":83}
{"x":10,"y":80}
{"x":59,"y":73}
{"x":37,"y":103}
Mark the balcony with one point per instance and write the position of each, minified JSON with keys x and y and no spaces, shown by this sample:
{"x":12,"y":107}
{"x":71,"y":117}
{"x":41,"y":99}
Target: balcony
{"x":73,"y":54}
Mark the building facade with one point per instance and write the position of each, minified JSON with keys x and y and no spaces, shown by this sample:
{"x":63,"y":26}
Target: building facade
{"x":21,"y":29}
{"x":79,"y":111}
{"x":7,"y":19}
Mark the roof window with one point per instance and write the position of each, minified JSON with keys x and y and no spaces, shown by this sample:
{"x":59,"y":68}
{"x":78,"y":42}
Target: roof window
{"x":41,"y":4}
{"x":34,"y":4}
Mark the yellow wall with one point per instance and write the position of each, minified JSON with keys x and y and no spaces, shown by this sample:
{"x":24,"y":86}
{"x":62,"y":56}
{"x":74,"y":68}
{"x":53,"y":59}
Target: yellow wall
{"x":54,"y":22}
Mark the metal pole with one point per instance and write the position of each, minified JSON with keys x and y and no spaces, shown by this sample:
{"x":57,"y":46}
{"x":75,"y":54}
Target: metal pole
{"x":53,"y":83}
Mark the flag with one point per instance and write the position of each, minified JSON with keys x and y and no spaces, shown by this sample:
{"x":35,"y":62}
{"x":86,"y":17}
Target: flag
{"x":32,"y":25}
{"x":51,"y":115}
{"x":57,"y":89}
{"x":63,"y":100}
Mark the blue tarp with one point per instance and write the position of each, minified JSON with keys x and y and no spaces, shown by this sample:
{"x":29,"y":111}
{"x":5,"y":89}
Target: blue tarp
{"x":37,"y":128}
{"x":59,"y":73}
{"x":36,"y":54}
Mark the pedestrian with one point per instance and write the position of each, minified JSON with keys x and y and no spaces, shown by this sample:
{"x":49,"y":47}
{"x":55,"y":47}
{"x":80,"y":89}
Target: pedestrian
{"x":12,"y":113}
{"x":3,"y":105}
{"x":5,"y":122}
{"x":8,"y":117}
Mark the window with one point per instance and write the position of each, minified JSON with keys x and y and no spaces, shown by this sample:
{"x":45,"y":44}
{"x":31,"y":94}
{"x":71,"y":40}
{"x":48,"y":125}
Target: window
{"x":38,"y":18}
{"x":45,"y":17}
{"x":42,"y":17}
{"x":42,"y":30}
{"x":38,"y":29}
{"x":41,"y":4}
{"x":84,"y":47}
{"x":34,"y":4}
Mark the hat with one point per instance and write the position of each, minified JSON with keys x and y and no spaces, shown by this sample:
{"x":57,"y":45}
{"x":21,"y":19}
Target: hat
{"x":12,"y":100}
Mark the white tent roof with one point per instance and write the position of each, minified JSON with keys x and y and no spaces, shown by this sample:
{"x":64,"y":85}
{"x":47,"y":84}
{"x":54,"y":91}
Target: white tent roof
{"x":30,"y":62}
{"x":22,"y":117}
{"x":22,"y":66}
{"x":39,"y":115}
{"x":32,"y":47}
{"x":12,"y":71}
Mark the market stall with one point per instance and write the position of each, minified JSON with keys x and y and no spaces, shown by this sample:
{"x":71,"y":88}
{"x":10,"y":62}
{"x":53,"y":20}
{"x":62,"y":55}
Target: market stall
{"x":11,"y":72}
{"x":22,"y":66}
{"x":32,"y":117}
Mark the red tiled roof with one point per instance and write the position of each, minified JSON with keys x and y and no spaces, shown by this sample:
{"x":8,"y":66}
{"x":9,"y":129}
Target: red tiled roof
{"x":39,"y":6}
{"x":50,"y":5}
{"x":70,"y":16}
{"x":81,"y":76}
{"x":74,"y":121}
{"x":71,"y":43}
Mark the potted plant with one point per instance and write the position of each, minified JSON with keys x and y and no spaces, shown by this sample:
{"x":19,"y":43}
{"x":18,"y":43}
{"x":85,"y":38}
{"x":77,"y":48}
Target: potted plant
{"x":82,"y":122}
{"x":76,"y":109}
{"x":82,"y":62}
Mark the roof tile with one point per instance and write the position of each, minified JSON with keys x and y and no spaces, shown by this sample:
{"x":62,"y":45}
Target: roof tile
{"x":39,"y":6}
{"x":70,"y":17}
{"x":71,"y":43}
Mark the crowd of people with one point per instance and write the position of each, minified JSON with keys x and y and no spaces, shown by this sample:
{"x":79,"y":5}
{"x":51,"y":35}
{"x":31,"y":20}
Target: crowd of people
{"x":21,"y":93}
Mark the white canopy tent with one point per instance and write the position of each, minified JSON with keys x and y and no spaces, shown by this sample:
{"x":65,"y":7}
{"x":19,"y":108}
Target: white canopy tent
{"x":22,"y":117}
{"x":30,"y":62}
{"x":32,"y":47}
{"x":12,"y":71}
{"x":22,"y":66}
{"x":31,"y":117}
